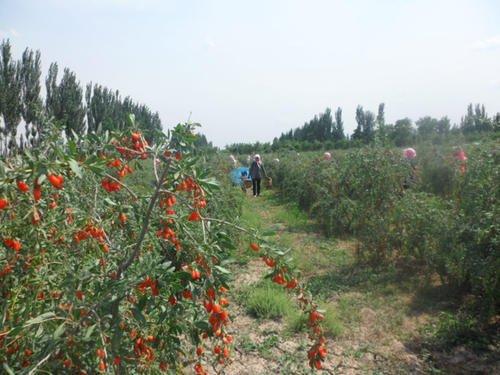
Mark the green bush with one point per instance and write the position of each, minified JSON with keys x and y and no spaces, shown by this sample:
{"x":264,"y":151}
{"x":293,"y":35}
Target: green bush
{"x":446,"y":221}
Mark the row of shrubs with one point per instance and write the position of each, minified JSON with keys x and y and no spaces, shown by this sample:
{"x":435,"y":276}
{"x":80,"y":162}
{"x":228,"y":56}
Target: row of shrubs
{"x":434,"y":213}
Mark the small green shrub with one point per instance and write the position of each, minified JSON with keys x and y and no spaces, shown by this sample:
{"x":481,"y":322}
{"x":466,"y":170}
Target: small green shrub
{"x":452,"y":330}
{"x":268,"y":301}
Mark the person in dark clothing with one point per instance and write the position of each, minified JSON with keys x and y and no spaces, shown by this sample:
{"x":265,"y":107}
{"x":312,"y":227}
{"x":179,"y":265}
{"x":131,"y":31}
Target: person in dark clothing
{"x":256,"y":172}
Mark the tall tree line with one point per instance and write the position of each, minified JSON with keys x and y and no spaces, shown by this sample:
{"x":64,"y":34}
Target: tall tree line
{"x":321,"y":128}
{"x":93,"y":110}
{"x":324,"y":132}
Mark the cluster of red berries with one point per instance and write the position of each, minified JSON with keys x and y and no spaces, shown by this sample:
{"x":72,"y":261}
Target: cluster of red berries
{"x":91,"y":231}
{"x":133,"y":147}
{"x":149,"y":283}
{"x":318,"y":352}
{"x":167,"y":232}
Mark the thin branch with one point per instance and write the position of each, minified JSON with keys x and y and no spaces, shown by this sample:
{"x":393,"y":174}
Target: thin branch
{"x":209,"y":219}
{"x":155,"y":169}
{"x":126,"y":264}
{"x":32,"y":371}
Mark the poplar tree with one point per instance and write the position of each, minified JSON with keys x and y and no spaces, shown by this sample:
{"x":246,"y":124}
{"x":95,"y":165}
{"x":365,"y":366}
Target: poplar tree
{"x":31,"y":101}
{"x":339,"y":126}
{"x":360,"y":120}
{"x":65,"y":101}
{"x":368,"y":127}
{"x":10,"y":94}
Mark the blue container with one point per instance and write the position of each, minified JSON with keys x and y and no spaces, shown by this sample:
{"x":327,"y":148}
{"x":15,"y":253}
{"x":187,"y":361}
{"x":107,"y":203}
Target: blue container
{"x":237,"y":174}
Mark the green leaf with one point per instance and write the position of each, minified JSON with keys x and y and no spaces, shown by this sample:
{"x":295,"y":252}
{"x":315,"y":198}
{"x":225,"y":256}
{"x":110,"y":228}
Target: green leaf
{"x":8,"y":369}
{"x":39,"y":331}
{"x":110,"y":202}
{"x":202,"y":325}
{"x":89,"y":332}
{"x":40,"y":318}
{"x":59,"y":331}
{"x":73,"y":164}
{"x":222,"y":270}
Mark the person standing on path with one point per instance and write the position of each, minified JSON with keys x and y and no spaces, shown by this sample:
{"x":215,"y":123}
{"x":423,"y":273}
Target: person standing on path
{"x":256,"y":172}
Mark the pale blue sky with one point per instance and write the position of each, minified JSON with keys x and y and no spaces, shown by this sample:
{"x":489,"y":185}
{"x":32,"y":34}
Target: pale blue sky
{"x":249,"y":70}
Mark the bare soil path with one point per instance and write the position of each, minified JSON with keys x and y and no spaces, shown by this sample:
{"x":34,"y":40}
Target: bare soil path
{"x":377,"y":319}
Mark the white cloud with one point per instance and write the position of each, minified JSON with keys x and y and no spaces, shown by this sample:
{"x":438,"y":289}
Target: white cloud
{"x":492,"y":42}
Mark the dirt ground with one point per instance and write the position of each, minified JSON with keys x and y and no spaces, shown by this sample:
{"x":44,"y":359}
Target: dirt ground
{"x":381,"y":338}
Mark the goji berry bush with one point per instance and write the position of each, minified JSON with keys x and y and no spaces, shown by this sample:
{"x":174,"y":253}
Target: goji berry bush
{"x":113,"y":258}
{"x":437,"y":213}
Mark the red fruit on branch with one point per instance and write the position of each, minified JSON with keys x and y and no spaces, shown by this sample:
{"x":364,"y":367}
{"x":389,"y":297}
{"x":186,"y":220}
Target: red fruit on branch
{"x":270,"y":262}
{"x":322,"y":352}
{"x":4,"y":203}
{"x":117,"y":163}
{"x":124,"y":171}
{"x":123,"y":218}
{"x":315,"y":316}
{"x":80,"y":295}
{"x":172,"y":300}
{"x":23,"y":186}
{"x":110,"y":185}
{"x":208,"y":306}
{"x":136,"y":137}
{"x":292,"y":284}
{"x":211,"y":293}
{"x":101,"y":353}
{"x":279,"y":279}
{"x":195,"y":275}
{"x":194,"y":216}
{"x":56,"y":181}
{"x":199,"y":369}
{"x":149,"y":283}
{"x":201,"y":204}
{"x":102,"y":366}
{"x":37,"y":192}
{"x":254,"y":246}
{"x":216,"y":309}
{"x":13,"y":244}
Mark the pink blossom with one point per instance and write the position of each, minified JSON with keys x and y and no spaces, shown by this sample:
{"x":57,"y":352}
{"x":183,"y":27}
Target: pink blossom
{"x":327,"y":156}
{"x":460,"y":155}
{"x":409,"y":153}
